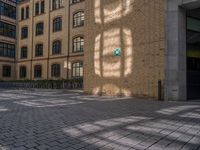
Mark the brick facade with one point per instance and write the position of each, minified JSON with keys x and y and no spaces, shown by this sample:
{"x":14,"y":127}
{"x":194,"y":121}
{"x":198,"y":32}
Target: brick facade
{"x":66,"y":35}
{"x":137,"y":28}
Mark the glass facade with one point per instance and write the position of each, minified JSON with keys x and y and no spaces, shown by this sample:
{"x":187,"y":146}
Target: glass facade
{"x":193,"y":57}
{"x":7,"y":50}
{"x":7,"y":30}
{"x":7,"y":10}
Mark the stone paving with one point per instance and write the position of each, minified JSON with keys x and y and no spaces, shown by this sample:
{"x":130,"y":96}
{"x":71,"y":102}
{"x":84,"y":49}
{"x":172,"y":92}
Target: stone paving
{"x":69,"y":120}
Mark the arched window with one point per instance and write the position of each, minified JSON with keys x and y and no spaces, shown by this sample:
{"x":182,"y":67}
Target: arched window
{"x":77,"y":69}
{"x":24,"y":32}
{"x":38,"y":71}
{"x":57,"y":24}
{"x":56,"y":47}
{"x":22,"y":72}
{"x":24,"y":52}
{"x":6,"y":71}
{"x":55,"y":70}
{"x":39,"y":50}
{"x":78,"y":19}
{"x":39,"y":28}
{"x":78,"y":44}
{"x":56,"y":4}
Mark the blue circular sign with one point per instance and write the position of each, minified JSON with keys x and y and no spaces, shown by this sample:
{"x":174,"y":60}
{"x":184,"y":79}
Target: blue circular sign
{"x":117,"y":52}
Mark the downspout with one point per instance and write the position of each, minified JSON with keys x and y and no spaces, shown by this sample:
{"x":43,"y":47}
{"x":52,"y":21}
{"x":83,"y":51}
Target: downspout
{"x":33,"y":33}
{"x":68,"y":40}
{"x":16,"y":44}
{"x":49,"y":33}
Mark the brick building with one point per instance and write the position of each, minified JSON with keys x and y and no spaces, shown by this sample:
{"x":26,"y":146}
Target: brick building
{"x":50,"y":40}
{"x":156,"y":40}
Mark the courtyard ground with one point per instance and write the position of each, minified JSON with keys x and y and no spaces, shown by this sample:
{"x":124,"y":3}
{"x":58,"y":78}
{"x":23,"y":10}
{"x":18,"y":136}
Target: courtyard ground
{"x":69,"y":120}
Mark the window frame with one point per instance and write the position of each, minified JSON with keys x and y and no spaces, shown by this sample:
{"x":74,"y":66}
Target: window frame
{"x":77,"y":73}
{"x":78,"y":19}
{"x":8,"y":70}
{"x":22,"y":73}
{"x":76,"y":44}
{"x":24,"y":32}
{"x":38,"y":71}
{"x":56,"y":47}
{"x":39,"y":50}
{"x":56,"y":4}
{"x":7,"y":50}
{"x":57,"y":24}
{"x":56,"y":70}
{"x":37,"y":8}
{"x":24,"y":54}
{"x":39,"y":28}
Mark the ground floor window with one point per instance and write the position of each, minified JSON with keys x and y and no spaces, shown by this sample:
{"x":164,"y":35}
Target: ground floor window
{"x":77,"y":69}
{"x":22,"y":72}
{"x":38,"y":71}
{"x":55,"y":70}
{"x":6,"y":71}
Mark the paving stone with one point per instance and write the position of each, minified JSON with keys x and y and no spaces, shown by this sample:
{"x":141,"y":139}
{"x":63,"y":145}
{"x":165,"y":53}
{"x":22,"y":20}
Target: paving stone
{"x":59,"y":119}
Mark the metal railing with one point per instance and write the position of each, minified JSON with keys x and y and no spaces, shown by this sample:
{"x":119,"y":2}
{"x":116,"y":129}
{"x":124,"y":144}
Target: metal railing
{"x":57,"y":84}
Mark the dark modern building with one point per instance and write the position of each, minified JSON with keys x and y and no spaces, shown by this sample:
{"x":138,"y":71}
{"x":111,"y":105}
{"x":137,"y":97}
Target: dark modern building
{"x":7,"y":39}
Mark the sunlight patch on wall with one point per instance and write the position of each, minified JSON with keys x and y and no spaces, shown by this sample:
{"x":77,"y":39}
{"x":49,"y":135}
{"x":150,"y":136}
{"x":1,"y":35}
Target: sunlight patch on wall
{"x":111,"y":11}
{"x":111,"y":64}
{"x":97,"y":55}
{"x":128,"y":51}
{"x":108,"y":65}
{"x":97,"y":11}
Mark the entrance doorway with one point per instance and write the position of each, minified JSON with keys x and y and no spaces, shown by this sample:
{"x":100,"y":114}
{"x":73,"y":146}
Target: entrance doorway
{"x":193,"y":54}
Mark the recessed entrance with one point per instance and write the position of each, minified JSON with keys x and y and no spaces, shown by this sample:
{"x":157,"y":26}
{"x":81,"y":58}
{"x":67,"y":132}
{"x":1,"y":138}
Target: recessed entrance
{"x":193,"y":54}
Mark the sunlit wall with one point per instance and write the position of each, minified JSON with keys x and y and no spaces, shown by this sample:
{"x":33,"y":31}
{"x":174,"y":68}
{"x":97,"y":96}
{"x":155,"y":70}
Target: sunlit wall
{"x":137,"y":28}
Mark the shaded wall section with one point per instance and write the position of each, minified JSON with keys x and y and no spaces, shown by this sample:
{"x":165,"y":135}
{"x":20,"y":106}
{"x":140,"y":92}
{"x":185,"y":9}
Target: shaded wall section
{"x":137,"y":28}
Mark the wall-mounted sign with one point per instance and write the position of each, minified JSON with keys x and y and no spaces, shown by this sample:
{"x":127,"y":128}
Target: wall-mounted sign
{"x":117,"y":52}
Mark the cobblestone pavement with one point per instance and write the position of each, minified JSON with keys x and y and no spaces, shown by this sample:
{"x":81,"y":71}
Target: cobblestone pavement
{"x":69,"y":120}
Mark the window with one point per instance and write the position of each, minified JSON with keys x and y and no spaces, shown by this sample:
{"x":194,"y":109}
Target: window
{"x":7,"y":30}
{"x":6,"y":71}
{"x":38,"y":71}
{"x":78,"y":19}
{"x":42,"y":7}
{"x":7,"y":10}
{"x":56,"y":4}
{"x":75,"y":1}
{"x":22,"y":14}
{"x":39,"y":28}
{"x":78,"y":44}
{"x":77,"y":69}
{"x":24,"y":32}
{"x":57,"y":24}
{"x":56,"y":47}
{"x":24,"y":52}
{"x":37,"y":7}
{"x":27,"y":12}
{"x":7,"y":50}
{"x":55,"y":70}
{"x":39,"y":50}
{"x":22,"y":72}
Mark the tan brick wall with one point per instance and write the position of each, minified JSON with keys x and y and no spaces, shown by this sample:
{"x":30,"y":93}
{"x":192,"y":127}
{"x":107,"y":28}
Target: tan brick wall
{"x":135,"y":26}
